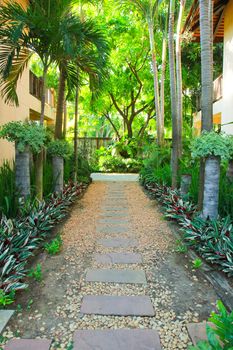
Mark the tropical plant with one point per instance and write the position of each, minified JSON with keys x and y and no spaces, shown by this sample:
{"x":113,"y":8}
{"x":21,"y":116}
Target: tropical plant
{"x":26,"y":136}
{"x":36,"y":273}
{"x":55,"y":246}
{"x":197,"y":263}
{"x":211,"y":147}
{"x":220,"y":335}
{"x":6,"y":299}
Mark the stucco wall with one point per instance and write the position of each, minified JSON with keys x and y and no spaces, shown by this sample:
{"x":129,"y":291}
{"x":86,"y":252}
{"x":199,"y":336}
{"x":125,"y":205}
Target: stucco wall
{"x":227,"y":105}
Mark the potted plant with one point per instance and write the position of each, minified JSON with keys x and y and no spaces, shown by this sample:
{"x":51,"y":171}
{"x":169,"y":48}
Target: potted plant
{"x":58,"y":150}
{"x":212,"y":147}
{"x":27,"y":136}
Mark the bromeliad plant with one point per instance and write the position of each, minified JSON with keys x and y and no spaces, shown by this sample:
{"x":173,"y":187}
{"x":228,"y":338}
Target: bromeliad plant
{"x":19,"y":238}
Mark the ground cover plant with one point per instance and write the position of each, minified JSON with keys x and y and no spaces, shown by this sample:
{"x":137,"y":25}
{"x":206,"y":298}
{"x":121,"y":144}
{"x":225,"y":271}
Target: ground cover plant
{"x":220,"y":335}
{"x":20,"y":237}
{"x":55,"y":246}
{"x":212,"y":239}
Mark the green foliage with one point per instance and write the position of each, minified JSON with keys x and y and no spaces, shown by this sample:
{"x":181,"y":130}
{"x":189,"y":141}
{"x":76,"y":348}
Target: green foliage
{"x":220,"y":336}
{"x":24,"y":134}
{"x":6,"y":298}
{"x":8,"y":194}
{"x":211,"y":144}
{"x":180,"y":247}
{"x":113,"y":164}
{"x":36,"y":273}
{"x":20,"y":237}
{"x":55,"y":246}
{"x":59,"y":148}
{"x":197,"y":263}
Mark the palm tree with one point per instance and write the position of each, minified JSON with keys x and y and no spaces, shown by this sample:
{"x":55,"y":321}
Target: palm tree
{"x":148,"y":9}
{"x":36,"y":29}
{"x":209,"y":168}
{"x":173,"y":92}
{"x":179,"y":78}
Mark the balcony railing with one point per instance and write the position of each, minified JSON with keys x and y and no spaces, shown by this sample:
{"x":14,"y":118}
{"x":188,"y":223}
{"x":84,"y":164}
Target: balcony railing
{"x":217,"y":92}
{"x":35,"y":89}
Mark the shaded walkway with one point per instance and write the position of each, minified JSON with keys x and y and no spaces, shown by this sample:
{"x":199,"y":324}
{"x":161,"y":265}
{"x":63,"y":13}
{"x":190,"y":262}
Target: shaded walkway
{"x":118,"y":270}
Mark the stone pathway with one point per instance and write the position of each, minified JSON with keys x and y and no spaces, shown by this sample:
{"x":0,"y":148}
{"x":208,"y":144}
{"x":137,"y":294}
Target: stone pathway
{"x":117,"y":285}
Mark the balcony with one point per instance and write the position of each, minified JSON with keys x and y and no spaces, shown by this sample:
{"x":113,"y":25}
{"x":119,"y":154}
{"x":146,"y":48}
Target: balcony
{"x":217,"y":92}
{"x":35,"y":89}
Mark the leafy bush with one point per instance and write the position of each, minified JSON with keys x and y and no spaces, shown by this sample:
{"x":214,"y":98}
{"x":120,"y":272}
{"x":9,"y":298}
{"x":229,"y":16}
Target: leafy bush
{"x":59,"y":148}
{"x":20,"y":237}
{"x":24,"y":134}
{"x":8,"y":194}
{"x":55,"y":246}
{"x":220,"y":337}
{"x":211,"y":144}
{"x":112,"y":164}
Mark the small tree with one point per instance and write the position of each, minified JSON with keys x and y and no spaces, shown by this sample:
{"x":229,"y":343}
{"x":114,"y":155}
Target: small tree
{"x":27,"y":137}
{"x":212,"y":147}
{"x":59,"y":150}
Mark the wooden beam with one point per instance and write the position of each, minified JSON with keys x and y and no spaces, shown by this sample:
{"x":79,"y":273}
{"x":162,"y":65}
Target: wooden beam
{"x":218,"y":24}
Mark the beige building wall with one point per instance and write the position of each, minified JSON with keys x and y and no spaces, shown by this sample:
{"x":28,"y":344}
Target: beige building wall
{"x":227,"y":102}
{"x":29,"y":108}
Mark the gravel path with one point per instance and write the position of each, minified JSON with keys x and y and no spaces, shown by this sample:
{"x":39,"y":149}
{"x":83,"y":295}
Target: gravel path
{"x":51,"y":309}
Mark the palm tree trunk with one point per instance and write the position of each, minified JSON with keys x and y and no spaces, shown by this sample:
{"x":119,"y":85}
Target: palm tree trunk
{"x":65,"y":120}
{"x":156,"y":82}
{"x":60,"y":104}
{"x":206,"y":29}
{"x":179,"y":79}
{"x":76,"y":135}
{"x":58,"y":174}
{"x":174,"y":159}
{"x":185,"y":183}
{"x":163,"y":72}
{"x":22,"y":172}
{"x":39,"y":159}
{"x":211,"y":188}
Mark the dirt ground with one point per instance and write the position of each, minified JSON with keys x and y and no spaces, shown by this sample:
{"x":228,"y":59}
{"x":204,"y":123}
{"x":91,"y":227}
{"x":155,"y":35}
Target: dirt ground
{"x":51,"y":308}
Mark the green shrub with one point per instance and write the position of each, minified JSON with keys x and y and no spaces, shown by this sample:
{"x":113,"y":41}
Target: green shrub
{"x":55,"y":246}
{"x":6,"y":298}
{"x":8,"y":194}
{"x":24,"y":134}
{"x":111,"y":164}
{"x":211,"y":144}
{"x":220,"y":337}
{"x":59,"y":148}
{"x":36,"y":273}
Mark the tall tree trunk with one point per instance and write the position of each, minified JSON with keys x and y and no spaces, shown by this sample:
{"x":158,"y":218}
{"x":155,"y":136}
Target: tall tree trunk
{"x":206,"y":30}
{"x":179,"y":79}
{"x":65,"y":120}
{"x":76,"y":135}
{"x":160,"y":132}
{"x":58,"y":174}
{"x":211,"y":188}
{"x":60,"y":103}
{"x":39,"y":159}
{"x":129,"y":129}
{"x":22,"y":172}
{"x":174,"y":159}
{"x":163,"y":73}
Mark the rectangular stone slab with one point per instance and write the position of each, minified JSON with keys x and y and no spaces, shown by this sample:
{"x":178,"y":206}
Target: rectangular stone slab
{"x":115,"y":207}
{"x":116,"y":276}
{"x":118,"y":242}
{"x":113,"y":214}
{"x":119,"y":339}
{"x":5,"y":316}
{"x":117,"y":305}
{"x":28,"y":344}
{"x":113,"y":229}
{"x":197,"y":331}
{"x":118,"y":258}
{"x":119,"y":221}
